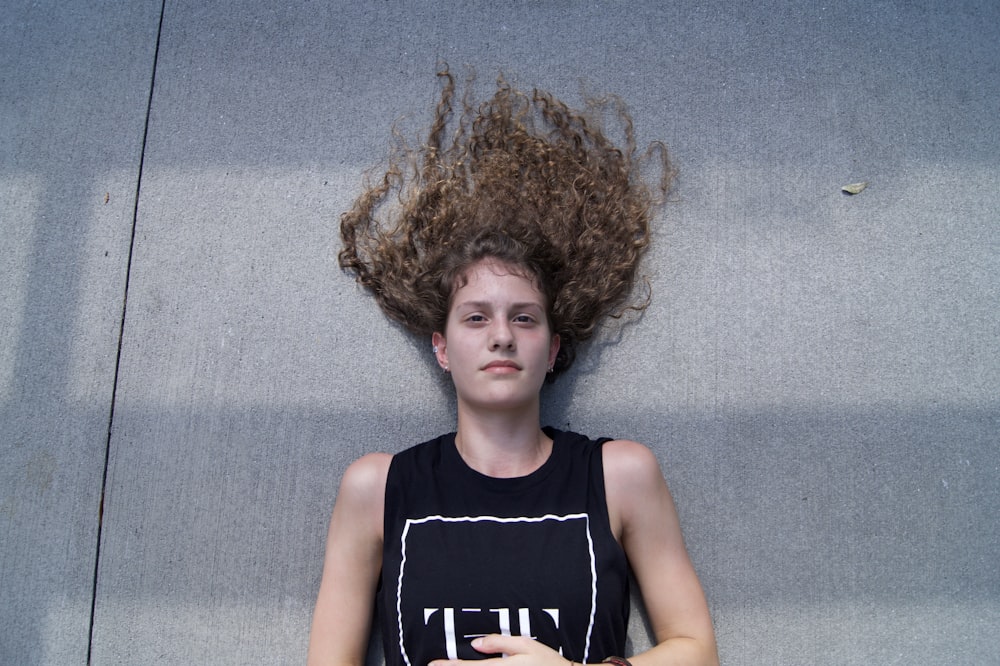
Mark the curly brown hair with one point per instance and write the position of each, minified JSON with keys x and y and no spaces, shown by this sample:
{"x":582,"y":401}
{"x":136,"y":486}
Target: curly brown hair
{"x":523,"y":179}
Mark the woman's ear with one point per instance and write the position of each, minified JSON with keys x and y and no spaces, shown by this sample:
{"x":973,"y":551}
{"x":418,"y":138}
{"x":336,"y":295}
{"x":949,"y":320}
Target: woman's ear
{"x":553,"y":350}
{"x":440,"y":346}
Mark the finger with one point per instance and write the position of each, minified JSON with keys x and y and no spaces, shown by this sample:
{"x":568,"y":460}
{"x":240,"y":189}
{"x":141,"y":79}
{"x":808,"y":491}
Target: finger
{"x":507,"y":645}
{"x":498,"y":644}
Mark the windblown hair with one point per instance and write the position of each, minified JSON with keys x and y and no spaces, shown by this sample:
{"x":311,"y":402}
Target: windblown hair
{"x":522,"y":179}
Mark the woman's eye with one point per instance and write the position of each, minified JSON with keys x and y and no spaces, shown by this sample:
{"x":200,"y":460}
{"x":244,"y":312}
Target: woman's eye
{"x":475,"y":319}
{"x":524,"y":319}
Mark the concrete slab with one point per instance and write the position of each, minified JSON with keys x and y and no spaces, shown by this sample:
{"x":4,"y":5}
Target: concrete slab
{"x":818,"y":372}
{"x":75,"y":85}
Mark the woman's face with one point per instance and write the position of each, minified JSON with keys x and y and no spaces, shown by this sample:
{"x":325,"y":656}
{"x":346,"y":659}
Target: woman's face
{"x":497,"y":342}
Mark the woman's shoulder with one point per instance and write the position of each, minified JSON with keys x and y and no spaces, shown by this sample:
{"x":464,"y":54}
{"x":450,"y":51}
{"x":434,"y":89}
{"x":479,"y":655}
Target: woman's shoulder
{"x":627,"y":451}
{"x":364,"y":479}
{"x":630,"y":465}
{"x":370,"y":463}
{"x":634,"y":485}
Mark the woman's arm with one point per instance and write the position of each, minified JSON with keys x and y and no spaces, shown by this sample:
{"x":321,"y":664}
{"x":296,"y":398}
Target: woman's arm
{"x":342,"y":618}
{"x":645,"y":521}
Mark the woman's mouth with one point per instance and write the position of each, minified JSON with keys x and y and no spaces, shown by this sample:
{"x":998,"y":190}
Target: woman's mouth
{"x":501,"y":366}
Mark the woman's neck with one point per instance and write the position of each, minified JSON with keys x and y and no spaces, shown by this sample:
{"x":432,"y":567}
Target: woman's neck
{"x":502,"y":445}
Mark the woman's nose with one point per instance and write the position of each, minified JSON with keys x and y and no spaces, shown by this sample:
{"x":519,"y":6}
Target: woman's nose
{"x":501,"y":337}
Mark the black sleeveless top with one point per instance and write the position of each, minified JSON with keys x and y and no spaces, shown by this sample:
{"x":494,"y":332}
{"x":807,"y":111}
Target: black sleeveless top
{"x":467,"y":554}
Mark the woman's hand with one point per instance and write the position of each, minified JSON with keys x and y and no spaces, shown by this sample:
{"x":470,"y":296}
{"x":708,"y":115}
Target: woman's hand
{"x":519,"y":650}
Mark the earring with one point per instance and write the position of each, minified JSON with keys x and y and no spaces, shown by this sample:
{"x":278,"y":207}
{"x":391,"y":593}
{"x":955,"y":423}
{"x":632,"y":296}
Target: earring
{"x":435,"y":349}
{"x":551,"y":368}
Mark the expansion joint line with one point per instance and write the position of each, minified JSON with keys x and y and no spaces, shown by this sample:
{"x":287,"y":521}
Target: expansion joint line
{"x":121,"y":335}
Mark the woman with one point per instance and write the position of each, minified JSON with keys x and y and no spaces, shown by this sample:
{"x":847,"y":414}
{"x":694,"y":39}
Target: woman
{"x":509,"y":244}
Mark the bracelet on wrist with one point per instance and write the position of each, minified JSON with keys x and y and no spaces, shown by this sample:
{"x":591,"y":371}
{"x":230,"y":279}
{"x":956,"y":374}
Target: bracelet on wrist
{"x":618,"y":661}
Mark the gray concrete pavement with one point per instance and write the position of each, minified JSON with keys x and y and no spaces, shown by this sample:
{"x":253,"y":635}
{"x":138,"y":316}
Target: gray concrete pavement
{"x":818,"y":373}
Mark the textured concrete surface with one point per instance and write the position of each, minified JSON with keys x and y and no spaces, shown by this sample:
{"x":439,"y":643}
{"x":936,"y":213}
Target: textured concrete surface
{"x":818,"y":373}
{"x":74,"y":87}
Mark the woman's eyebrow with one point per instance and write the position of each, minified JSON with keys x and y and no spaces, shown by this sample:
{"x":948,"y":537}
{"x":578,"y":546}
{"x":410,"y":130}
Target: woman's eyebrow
{"x":476,"y":305}
{"x":526,"y":305}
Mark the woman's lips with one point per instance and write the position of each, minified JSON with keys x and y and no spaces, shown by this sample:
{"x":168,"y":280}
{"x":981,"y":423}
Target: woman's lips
{"x":501,"y":367}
